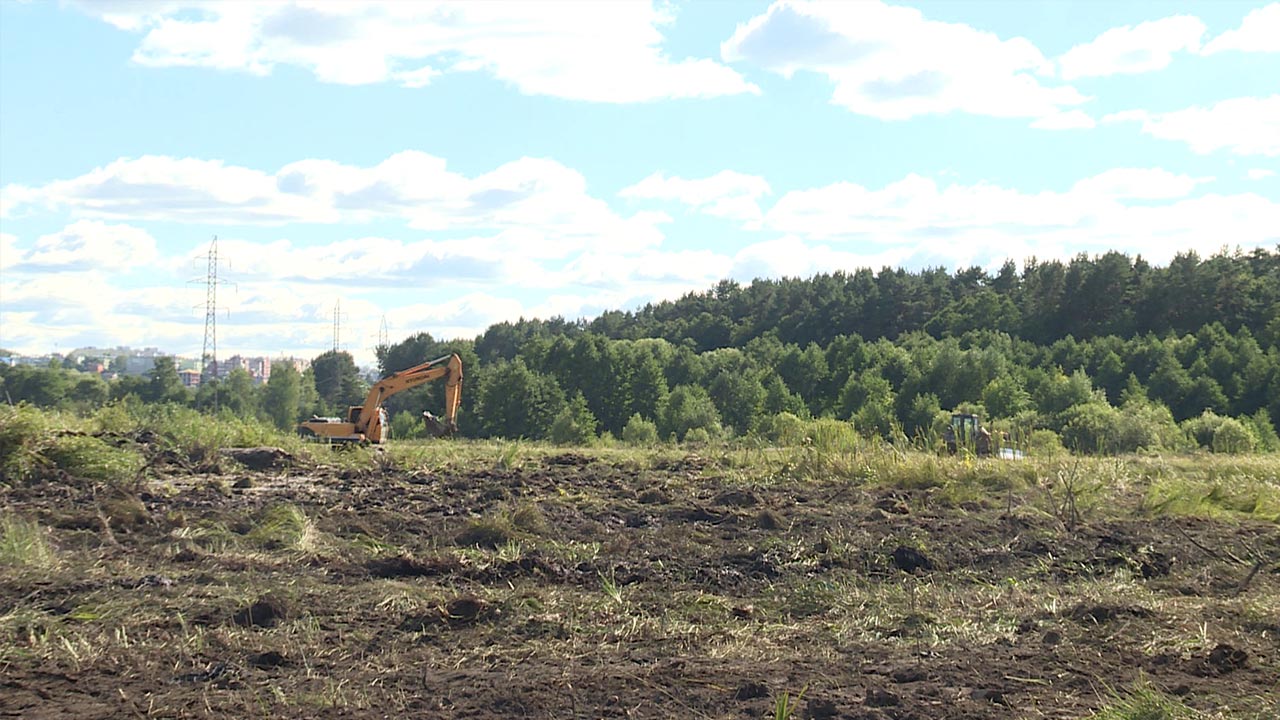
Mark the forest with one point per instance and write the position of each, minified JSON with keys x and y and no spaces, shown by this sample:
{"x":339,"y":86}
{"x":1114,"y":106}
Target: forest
{"x":1104,"y":354}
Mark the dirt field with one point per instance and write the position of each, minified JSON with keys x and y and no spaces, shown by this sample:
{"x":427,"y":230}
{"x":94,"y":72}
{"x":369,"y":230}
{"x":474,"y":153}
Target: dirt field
{"x":622,"y":585}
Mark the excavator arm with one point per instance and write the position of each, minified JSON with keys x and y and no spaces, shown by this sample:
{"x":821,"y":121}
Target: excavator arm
{"x":365,"y":422}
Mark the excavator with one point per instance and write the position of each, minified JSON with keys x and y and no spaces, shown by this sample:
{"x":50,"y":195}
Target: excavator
{"x":967,"y":432}
{"x":367,"y":423}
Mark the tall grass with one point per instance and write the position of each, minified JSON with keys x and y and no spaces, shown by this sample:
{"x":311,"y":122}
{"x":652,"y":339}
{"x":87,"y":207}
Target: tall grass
{"x":23,"y":544}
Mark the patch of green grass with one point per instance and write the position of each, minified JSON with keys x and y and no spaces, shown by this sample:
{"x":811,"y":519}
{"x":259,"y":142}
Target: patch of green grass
{"x":283,"y":527}
{"x":89,"y":457}
{"x":1145,"y":702}
{"x":1243,"y":496}
{"x":23,"y":543}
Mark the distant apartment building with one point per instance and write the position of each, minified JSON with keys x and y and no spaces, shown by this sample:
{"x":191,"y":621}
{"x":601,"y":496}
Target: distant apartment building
{"x":259,"y":368}
{"x":190,"y":378}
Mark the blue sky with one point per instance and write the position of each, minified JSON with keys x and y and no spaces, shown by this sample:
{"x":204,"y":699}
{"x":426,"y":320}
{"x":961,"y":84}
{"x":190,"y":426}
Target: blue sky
{"x":448,"y":165}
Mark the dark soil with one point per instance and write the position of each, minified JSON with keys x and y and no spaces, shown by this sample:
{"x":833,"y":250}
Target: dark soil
{"x":578,"y":588}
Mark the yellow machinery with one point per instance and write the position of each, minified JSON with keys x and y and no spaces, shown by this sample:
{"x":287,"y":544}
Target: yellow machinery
{"x":368,"y":422}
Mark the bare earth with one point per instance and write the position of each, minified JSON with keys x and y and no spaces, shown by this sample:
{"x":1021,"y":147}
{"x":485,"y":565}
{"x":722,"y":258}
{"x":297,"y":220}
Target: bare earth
{"x":670,"y":587}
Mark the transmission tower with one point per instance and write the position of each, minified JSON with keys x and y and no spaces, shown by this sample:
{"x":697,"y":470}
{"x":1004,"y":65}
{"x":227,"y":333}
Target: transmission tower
{"x":337,"y":323}
{"x":209,"y":355}
{"x":384,"y":335}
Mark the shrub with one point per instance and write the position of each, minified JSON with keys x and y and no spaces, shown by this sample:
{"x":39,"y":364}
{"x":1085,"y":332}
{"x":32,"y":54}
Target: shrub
{"x":1044,"y":443}
{"x":1231,"y":436}
{"x":639,"y":431}
{"x":574,"y":424}
{"x":697,"y":436}
{"x":783,"y":428}
{"x":405,"y":426}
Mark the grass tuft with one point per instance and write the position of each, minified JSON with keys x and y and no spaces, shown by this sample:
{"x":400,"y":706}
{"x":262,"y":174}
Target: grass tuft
{"x":1145,"y":702}
{"x":283,"y":527}
{"x":23,"y":543}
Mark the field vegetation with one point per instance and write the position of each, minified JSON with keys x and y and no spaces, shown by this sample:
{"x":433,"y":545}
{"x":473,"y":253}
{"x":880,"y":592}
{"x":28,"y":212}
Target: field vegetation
{"x":805,"y":571}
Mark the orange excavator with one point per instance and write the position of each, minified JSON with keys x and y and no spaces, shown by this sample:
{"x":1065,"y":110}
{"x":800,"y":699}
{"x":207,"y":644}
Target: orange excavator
{"x":367,"y":423}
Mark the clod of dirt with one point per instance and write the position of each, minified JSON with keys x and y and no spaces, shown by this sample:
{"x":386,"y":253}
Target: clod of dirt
{"x":653,"y":496}
{"x":485,"y":533}
{"x":465,"y":610}
{"x":744,"y":612}
{"x":737,"y":498}
{"x":267,"y":612}
{"x":243,"y":483}
{"x":1051,"y":637}
{"x":878,"y":697}
{"x":151,"y":581}
{"x":768,"y":520}
{"x":1221,"y":660}
{"x":990,"y":695}
{"x":817,"y":709}
{"x":1154,"y":564}
{"x":751,"y":691}
{"x":404,"y":566}
{"x":1102,"y":613}
{"x":260,"y":458}
{"x":894,"y":505}
{"x":267,"y":660}
{"x":214,"y":672}
{"x":908,"y":675}
{"x":909,"y":559}
{"x":569,"y":459}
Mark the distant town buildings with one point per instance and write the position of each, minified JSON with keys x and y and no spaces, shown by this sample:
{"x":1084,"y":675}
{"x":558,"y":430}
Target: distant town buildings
{"x":114,"y":362}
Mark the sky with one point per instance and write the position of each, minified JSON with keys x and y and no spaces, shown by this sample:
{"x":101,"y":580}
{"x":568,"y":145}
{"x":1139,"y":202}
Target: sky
{"x":440,"y":167}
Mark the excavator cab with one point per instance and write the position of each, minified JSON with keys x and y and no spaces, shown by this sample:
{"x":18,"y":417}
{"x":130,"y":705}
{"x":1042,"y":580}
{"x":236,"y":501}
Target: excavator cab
{"x":967,"y":432}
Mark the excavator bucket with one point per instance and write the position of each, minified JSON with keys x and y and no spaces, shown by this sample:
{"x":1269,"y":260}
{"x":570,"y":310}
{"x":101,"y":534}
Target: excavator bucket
{"x":438,"y":427}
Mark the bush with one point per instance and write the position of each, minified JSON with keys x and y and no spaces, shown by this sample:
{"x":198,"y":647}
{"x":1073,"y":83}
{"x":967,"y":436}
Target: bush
{"x":1231,"y":436}
{"x":697,"y":436}
{"x":831,"y":435}
{"x":405,"y":426}
{"x":1044,"y":443}
{"x":574,"y":424}
{"x":784,"y":428}
{"x":640,"y":432}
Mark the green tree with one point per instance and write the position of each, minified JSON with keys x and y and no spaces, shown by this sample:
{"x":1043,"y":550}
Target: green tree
{"x":513,"y":401}
{"x":282,"y":395}
{"x":688,"y":407}
{"x":163,"y":383}
{"x":574,"y":424}
{"x":337,"y":381}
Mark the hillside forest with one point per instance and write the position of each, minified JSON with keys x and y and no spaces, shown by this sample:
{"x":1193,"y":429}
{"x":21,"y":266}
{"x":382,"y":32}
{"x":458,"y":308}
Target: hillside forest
{"x":1102,"y":354}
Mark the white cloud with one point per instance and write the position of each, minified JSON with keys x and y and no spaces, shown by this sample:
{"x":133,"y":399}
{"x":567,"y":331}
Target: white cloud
{"x":1245,"y":126}
{"x":1133,"y":49}
{"x":892,"y":63}
{"x":1069,"y":120}
{"x":1258,"y":32}
{"x":602,"y":52}
{"x":9,"y":252}
{"x":84,"y":245}
{"x":1138,"y":184}
{"x":1260,"y":173}
{"x":541,"y":206}
{"x":914,"y":221}
{"x":726,"y":194}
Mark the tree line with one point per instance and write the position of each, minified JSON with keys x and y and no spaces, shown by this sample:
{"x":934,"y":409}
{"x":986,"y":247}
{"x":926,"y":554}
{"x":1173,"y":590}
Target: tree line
{"x":1104,"y":354}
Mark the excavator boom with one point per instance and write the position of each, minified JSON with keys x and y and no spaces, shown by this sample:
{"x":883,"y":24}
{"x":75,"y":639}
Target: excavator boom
{"x":367,"y":422}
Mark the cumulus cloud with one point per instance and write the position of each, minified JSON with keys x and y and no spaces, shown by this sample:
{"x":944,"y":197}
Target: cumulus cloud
{"x":84,"y":245}
{"x":1244,"y":126}
{"x":544,"y":207}
{"x":726,"y":194}
{"x":1260,"y":173}
{"x":956,"y":223}
{"x":1133,"y":49}
{"x":602,"y":52}
{"x":1258,"y":32}
{"x":892,"y":63}
{"x":1138,"y":184}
